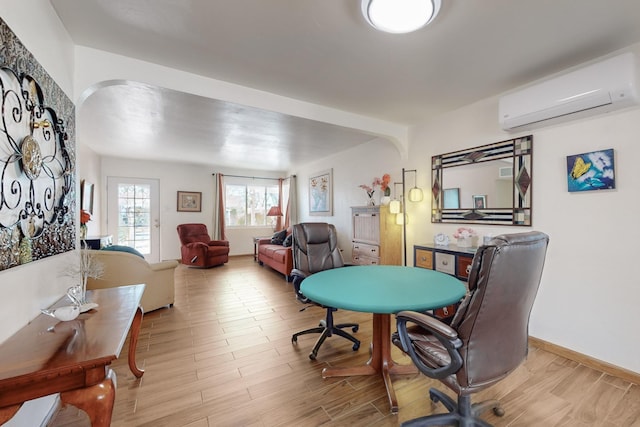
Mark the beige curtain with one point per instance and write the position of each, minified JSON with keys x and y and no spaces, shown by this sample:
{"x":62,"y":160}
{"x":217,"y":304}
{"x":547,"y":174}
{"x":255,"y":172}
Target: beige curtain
{"x":291,"y":214}
{"x":218,"y":220}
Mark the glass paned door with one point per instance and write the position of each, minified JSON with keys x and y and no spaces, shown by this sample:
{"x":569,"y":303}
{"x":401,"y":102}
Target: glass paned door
{"x":133,"y":218}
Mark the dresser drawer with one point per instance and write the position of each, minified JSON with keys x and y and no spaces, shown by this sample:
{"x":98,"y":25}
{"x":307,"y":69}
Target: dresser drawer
{"x":446,"y":263}
{"x":464,"y":266}
{"x":364,"y":260}
{"x":363,"y":249}
{"x":424,"y":259}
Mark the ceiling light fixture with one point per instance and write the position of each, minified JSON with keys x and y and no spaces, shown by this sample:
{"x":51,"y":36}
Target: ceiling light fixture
{"x":400,"y":16}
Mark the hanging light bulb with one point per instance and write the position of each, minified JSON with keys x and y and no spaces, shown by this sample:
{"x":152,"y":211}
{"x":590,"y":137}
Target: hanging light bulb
{"x":415,"y":195}
{"x":395,"y":207}
{"x":402,"y":219}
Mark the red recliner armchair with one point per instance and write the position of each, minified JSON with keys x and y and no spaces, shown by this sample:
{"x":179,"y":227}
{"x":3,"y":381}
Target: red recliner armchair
{"x":198,"y":250}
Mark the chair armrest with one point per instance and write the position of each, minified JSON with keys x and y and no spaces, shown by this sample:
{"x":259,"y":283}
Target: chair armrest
{"x":196,"y":245}
{"x":218,"y":243}
{"x":297,"y":277}
{"x":164,"y":265}
{"x":265,"y":241}
{"x":446,"y":335}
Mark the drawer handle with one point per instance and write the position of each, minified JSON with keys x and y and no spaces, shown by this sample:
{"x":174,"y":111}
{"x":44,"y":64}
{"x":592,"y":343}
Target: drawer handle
{"x":424,"y":258}
{"x":445,"y":262}
{"x":468,"y":268}
{"x":373,"y":250}
{"x":445,"y":311}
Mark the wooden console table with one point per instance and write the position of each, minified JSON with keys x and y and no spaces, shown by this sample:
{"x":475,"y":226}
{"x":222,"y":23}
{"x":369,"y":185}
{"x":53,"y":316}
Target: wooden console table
{"x":72,"y":358}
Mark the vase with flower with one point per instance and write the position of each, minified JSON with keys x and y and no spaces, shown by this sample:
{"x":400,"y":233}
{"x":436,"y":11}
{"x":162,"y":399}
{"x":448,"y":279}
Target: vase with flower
{"x":383,"y":183}
{"x":85,"y":217}
{"x":464,"y":237}
{"x":386,"y":189}
{"x":371,"y":189}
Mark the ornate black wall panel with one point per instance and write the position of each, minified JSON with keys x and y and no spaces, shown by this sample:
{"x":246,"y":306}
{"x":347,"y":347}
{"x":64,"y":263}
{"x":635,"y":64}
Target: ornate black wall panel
{"x":37,"y":159}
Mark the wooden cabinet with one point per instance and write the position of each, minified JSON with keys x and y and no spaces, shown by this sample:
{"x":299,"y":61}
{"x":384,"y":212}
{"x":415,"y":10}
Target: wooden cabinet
{"x":376,"y":238}
{"x":449,"y":259}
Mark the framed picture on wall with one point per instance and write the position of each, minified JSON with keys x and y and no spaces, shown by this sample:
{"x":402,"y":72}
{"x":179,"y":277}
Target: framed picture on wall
{"x":451,"y":198}
{"x":591,"y":171}
{"x":321,"y":193}
{"x":86,"y":196}
{"x":189,"y":201}
{"x":479,"y":202}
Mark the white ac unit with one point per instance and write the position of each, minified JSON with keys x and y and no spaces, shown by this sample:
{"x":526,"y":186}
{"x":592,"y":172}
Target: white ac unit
{"x":599,"y":87}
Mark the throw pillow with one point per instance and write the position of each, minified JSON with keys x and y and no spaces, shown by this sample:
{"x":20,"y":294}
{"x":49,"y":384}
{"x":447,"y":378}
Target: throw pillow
{"x":278,"y":237}
{"x":120,"y":248}
{"x":288,"y":241}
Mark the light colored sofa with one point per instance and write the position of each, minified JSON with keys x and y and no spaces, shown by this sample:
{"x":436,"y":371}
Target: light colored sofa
{"x":122,"y":268}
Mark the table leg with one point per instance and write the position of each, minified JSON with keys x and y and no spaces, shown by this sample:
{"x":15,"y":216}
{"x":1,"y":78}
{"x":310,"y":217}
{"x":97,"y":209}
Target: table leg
{"x":381,"y":363}
{"x":133,"y":342}
{"x":96,"y":400}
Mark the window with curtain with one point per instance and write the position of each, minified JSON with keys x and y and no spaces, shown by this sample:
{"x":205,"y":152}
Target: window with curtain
{"x":246,"y":205}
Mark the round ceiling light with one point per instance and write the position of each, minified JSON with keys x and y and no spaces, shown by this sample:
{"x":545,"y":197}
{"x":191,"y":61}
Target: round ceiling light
{"x":399,"y":16}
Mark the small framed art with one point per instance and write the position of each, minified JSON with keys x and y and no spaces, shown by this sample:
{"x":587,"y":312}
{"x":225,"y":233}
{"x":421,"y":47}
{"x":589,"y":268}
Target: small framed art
{"x":321,"y":193}
{"x":591,"y":171}
{"x":189,"y":201}
{"x":479,"y":202}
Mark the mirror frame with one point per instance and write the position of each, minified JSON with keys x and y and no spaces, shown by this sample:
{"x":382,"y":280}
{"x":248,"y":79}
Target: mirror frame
{"x":520,"y":150}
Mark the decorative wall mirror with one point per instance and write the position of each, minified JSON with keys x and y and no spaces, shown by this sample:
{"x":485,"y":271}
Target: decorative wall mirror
{"x":493,"y":184}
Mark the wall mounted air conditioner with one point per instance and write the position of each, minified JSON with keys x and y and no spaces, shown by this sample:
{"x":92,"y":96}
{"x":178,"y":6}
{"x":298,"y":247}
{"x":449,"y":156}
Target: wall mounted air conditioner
{"x":600,"y":87}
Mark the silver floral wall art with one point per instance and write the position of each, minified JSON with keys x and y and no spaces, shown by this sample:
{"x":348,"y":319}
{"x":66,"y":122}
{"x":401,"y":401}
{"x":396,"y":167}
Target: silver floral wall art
{"x":37,"y":159}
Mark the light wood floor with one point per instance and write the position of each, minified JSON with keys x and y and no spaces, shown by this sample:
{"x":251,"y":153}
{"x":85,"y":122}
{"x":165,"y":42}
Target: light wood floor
{"x":222,"y":356}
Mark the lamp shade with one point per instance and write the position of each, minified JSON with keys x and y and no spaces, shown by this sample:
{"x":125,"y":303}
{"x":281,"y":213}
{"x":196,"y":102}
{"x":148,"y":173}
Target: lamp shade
{"x":394,"y":207}
{"x":274,"y":211}
{"x":415,"y":195}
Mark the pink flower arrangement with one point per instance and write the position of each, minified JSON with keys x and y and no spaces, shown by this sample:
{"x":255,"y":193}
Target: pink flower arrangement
{"x":383,"y":183}
{"x":464,"y":233}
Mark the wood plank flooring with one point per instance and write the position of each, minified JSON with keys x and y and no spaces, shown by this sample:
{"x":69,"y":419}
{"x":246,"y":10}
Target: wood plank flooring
{"x":222,"y":356}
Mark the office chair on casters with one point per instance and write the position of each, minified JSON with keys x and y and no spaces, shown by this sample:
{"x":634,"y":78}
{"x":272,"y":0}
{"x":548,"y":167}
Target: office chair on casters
{"x":315,"y":249}
{"x":487,"y":338}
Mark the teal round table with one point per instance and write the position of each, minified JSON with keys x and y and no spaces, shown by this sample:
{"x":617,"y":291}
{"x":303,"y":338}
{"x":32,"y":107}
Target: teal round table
{"x":382,"y":290}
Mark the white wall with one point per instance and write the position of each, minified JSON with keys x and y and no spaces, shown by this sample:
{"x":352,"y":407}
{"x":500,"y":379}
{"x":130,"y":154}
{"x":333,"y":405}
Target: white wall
{"x":89,"y":169}
{"x":587,"y":300}
{"x":589,"y":290}
{"x":30,"y":287}
{"x":33,"y":286}
{"x":174,"y":177}
{"x":351,"y":168}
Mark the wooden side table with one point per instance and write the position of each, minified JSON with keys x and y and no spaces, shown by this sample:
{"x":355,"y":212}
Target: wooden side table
{"x":255,"y":246}
{"x":72,"y":358}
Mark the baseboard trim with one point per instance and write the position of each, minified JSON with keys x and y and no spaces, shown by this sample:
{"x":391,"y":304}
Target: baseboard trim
{"x":585,"y":360}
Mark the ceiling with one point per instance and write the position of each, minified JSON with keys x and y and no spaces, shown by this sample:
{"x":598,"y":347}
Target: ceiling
{"x":324,"y":53}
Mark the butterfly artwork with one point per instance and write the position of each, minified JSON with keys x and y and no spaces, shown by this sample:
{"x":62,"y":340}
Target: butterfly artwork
{"x":591,"y":171}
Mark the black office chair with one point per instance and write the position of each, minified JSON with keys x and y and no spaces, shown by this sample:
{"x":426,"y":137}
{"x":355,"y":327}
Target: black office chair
{"x":487,"y":338}
{"x":315,"y":249}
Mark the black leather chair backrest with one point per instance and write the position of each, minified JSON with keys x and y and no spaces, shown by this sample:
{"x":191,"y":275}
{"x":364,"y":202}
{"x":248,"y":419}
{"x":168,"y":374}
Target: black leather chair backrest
{"x":315,"y":247}
{"x":493,"y":320}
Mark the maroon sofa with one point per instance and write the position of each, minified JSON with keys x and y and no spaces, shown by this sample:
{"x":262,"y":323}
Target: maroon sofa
{"x":276,"y":256}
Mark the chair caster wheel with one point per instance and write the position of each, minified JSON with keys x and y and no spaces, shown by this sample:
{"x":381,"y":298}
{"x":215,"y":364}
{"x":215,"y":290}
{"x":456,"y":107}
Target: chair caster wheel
{"x":356,"y":346}
{"x":312,"y":356}
{"x":354,"y":329}
{"x":498,"y":411}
